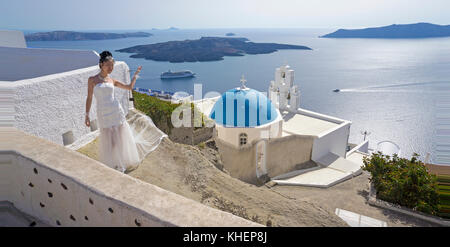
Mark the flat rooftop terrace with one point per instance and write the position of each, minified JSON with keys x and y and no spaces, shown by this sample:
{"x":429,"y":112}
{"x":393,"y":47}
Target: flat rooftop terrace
{"x":305,"y":125}
{"x":25,"y":63}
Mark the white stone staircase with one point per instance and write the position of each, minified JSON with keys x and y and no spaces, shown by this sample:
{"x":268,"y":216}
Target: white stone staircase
{"x":332,"y":170}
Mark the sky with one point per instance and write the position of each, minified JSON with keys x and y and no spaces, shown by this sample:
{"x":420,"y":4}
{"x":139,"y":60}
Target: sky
{"x":194,"y":14}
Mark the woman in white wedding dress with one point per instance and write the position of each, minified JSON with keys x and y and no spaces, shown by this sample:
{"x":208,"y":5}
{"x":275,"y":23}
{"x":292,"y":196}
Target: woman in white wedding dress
{"x":117,"y":147}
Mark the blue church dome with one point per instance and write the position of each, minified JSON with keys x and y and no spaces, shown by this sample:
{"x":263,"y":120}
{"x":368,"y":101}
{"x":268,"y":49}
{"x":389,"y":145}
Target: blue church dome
{"x":243,"y":108}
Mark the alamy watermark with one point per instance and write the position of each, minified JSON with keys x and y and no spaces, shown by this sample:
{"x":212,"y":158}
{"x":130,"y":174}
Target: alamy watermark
{"x":250,"y":109}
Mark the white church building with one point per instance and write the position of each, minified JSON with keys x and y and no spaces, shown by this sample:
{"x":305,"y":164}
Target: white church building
{"x":262,"y":137}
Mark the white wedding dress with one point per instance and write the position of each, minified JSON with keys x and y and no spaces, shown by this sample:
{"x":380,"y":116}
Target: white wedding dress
{"x":121,"y":147}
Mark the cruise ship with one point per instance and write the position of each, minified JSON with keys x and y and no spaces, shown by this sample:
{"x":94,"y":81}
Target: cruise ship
{"x":177,"y":74}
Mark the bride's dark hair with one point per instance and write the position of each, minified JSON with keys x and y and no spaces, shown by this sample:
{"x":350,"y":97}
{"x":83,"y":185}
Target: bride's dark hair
{"x":104,"y":56}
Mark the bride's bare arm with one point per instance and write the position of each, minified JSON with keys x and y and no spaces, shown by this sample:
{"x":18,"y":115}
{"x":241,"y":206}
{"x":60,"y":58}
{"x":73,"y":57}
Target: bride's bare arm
{"x":133,"y":81}
{"x":89,"y":96}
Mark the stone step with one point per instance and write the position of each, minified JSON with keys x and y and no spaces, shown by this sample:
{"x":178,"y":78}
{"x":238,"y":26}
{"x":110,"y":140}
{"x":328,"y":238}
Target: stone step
{"x":336,"y":162}
{"x":322,"y":178}
{"x":332,"y":169}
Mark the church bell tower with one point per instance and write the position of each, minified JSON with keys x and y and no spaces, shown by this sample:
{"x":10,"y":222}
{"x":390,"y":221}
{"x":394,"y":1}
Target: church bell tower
{"x":282,"y":92}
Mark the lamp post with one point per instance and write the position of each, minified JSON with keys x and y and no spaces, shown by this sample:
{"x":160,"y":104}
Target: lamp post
{"x":365,"y":133}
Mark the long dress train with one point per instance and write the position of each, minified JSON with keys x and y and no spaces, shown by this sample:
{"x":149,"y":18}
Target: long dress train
{"x":121,"y":147}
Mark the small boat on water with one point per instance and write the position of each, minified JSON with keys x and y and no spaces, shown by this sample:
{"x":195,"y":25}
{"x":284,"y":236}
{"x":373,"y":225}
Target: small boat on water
{"x":336,"y":90}
{"x":177,"y":74}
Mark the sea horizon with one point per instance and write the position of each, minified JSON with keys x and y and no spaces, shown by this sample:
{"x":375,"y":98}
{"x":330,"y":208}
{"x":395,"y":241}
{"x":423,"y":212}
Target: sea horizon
{"x":388,"y":87}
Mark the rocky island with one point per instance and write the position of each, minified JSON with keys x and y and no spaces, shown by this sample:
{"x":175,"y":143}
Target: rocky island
{"x":73,"y":36}
{"x":204,"y":49}
{"x":406,"y":31}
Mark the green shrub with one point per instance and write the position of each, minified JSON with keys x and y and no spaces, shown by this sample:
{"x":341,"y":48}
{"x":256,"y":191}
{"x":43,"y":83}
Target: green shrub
{"x":201,"y":145}
{"x":444,"y":195}
{"x":159,"y":111}
{"x":444,"y":179}
{"x":404,"y":182}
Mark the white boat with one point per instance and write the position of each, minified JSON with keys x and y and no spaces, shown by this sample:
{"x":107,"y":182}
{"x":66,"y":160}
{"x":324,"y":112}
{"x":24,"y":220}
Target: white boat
{"x":177,"y":74}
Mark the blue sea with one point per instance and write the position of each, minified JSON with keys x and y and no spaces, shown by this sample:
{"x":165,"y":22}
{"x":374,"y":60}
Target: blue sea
{"x":397,"y":89}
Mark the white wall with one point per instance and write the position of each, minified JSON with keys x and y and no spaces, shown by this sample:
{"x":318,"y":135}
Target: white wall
{"x":6,"y":105}
{"x":12,"y":38}
{"x":92,"y":193}
{"x":320,"y":116}
{"x":49,"y":106}
{"x":362,"y":147}
{"x":334,"y":141}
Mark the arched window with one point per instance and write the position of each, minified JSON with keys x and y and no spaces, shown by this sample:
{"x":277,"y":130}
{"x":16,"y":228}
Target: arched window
{"x":242,"y":139}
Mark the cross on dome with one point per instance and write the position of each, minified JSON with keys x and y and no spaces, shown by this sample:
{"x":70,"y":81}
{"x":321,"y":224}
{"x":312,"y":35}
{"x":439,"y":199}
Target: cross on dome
{"x":243,"y":81}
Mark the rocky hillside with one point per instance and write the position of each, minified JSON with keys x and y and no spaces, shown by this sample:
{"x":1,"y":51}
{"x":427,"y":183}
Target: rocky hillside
{"x":196,"y":172}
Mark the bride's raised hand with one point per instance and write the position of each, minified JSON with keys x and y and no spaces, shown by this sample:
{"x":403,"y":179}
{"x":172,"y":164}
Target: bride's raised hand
{"x":138,"y":71}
